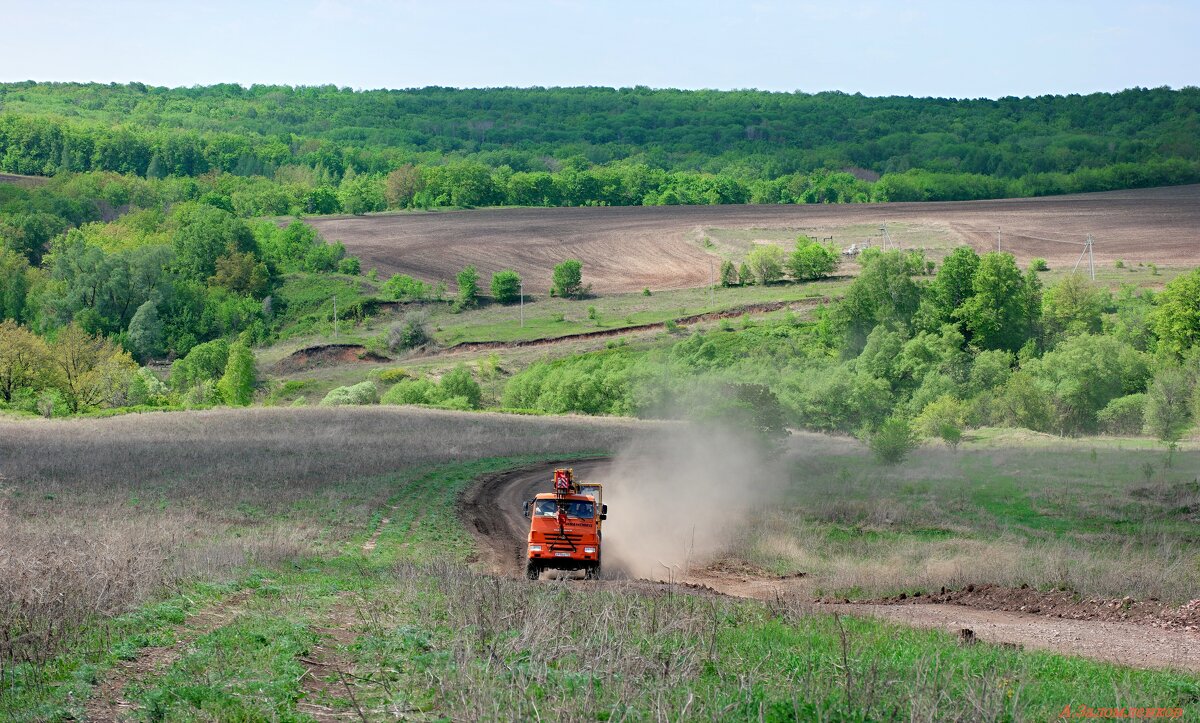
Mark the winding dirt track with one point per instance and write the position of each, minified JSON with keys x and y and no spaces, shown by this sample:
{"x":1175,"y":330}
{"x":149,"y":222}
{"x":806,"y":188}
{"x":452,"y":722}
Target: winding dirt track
{"x":491,"y":508}
{"x":628,"y":248}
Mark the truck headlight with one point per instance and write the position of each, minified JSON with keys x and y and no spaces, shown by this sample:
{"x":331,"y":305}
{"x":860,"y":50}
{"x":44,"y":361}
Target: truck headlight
{"x":590,"y":550}
{"x":535,"y":548}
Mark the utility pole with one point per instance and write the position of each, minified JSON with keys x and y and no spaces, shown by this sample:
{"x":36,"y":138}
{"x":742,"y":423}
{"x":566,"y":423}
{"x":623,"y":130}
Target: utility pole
{"x":997,"y":239}
{"x":1091,"y":257}
{"x":335,"y":318}
{"x":522,"y":303}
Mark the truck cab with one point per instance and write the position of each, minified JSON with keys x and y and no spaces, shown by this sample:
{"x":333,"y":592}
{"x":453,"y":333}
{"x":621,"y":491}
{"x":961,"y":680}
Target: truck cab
{"x":565,"y":528}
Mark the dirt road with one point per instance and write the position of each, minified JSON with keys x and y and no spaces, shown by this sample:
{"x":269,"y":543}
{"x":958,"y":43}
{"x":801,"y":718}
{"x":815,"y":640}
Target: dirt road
{"x":628,"y":248}
{"x":492,"y":511}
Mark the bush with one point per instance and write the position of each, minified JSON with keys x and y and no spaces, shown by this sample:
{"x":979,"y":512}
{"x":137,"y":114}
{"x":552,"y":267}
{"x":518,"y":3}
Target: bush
{"x":410,"y":333}
{"x":893,"y":441}
{"x":944,"y":419}
{"x":391,"y":376}
{"x":568,"y":279}
{"x":811,"y":260}
{"x":1124,"y":415}
{"x":350,"y":266}
{"x":728,"y":273}
{"x":459,"y":383}
{"x":402,"y":287}
{"x":506,"y":286}
{"x":766,"y":263}
{"x":1038,"y":264}
{"x":468,"y":287}
{"x":413,"y":391}
{"x":359,"y":394}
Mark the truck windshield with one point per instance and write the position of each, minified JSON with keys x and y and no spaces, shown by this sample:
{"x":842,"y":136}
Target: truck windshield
{"x":574,"y":508}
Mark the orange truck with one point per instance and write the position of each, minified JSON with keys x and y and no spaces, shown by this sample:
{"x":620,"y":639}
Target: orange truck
{"x":564,"y":527}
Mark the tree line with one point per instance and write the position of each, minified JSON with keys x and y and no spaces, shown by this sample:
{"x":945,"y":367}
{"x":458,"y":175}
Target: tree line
{"x":907,"y":355}
{"x":577,"y":146}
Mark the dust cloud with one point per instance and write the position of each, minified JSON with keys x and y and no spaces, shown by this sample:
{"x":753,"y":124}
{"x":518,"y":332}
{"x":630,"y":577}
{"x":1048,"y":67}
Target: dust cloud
{"x":676,"y":499}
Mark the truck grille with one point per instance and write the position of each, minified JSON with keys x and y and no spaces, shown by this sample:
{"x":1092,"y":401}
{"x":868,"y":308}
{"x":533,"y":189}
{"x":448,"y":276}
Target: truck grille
{"x":559,"y":541}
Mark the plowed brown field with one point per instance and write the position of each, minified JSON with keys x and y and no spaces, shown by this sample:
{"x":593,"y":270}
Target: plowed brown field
{"x":628,"y":248}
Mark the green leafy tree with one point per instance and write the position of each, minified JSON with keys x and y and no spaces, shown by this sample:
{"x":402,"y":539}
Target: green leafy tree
{"x":403,"y":185}
{"x":812,"y":260}
{"x":766,"y":263}
{"x":729,"y":276}
{"x":237,"y":383}
{"x":1071,"y":307}
{"x":206,"y":233}
{"x":893,"y":441}
{"x":568,"y":279}
{"x":1177,"y":316}
{"x":884,"y":293}
{"x":15,"y":278}
{"x":458,"y":383}
{"x":146,"y":332}
{"x":203,"y":363}
{"x":90,"y":371}
{"x":468,"y":287}
{"x":1169,"y":405}
{"x":944,"y":419}
{"x":996,"y":316}
{"x":745,"y":275}
{"x":506,"y":286}
{"x":24,"y":359}
{"x":362,"y":194}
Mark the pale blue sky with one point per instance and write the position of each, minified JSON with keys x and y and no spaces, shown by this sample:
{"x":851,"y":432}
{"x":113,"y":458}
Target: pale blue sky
{"x":953,"y":49}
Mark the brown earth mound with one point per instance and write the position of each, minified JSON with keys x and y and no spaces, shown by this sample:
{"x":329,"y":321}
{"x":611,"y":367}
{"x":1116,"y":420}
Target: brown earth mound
{"x":326,"y":355}
{"x":628,"y":248}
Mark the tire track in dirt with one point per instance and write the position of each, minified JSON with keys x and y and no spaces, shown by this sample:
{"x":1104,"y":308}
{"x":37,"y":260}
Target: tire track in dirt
{"x":107,"y":702}
{"x":491,"y":510}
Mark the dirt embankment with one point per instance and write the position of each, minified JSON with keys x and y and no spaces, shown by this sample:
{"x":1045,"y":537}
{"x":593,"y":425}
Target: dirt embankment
{"x":1137,"y":633}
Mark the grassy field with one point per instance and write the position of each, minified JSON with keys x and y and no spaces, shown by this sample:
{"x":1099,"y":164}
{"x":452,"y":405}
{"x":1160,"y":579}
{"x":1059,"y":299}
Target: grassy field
{"x":1100,"y":517}
{"x":328,"y":575}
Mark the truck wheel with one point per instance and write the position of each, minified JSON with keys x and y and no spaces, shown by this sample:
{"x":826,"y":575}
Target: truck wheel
{"x":533,"y":570}
{"x":591,"y":573}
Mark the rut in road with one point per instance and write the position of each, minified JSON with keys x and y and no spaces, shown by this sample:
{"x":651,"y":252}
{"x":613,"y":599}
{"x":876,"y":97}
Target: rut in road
{"x":491,"y":509}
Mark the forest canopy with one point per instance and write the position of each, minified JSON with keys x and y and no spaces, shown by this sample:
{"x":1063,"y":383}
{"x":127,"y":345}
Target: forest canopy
{"x":577,"y":146}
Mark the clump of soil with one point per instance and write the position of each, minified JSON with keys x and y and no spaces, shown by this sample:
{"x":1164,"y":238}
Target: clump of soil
{"x":727,"y":566}
{"x":1061,"y":604}
{"x":326,"y":355}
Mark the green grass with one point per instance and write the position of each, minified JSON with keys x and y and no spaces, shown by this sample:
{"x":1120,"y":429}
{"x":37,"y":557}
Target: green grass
{"x":431,"y":638}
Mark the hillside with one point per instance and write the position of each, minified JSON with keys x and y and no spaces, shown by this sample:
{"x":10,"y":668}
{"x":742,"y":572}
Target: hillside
{"x":753,"y":142}
{"x":631,"y":248}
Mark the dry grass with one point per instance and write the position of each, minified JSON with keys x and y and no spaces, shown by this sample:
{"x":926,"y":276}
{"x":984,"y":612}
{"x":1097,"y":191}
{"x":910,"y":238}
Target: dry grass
{"x":97,"y":516}
{"x":561,"y":652}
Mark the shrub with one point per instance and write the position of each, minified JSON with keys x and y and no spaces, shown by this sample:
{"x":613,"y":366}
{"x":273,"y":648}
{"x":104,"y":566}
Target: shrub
{"x":237,"y":383}
{"x":506,"y":286}
{"x":409,"y":333}
{"x":402,"y":287}
{"x":468,"y":287}
{"x":944,"y":419}
{"x":811,"y":260}
{"x":1124,"y":415}
{"x":728,"y":273}
{"x":459,"y":383}
{"x":349,"y":265}
{"x":646,"y":291}
{"x":568,"y":279}
{"x":1038,"y":264}
{"x":893,"y":441}
{"x":766,"y":263}
{"x":391,"y":376}
{"x":358,"y":394}
{"x":413,"y":391}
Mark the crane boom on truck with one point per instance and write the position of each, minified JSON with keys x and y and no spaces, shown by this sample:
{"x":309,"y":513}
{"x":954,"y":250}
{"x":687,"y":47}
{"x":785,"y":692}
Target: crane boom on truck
{"x":565,"y":527}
